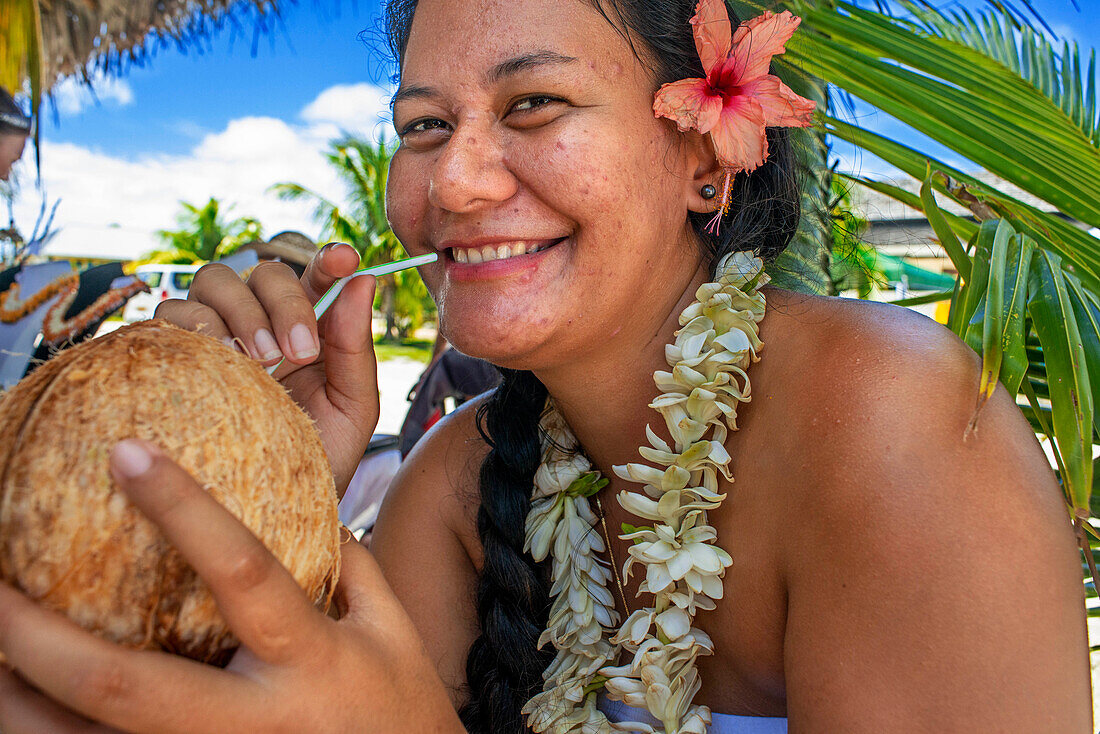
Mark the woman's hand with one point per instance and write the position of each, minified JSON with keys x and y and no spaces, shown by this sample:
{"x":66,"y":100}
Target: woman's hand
{"x":329,"y":368}
{"x":298,"y":670}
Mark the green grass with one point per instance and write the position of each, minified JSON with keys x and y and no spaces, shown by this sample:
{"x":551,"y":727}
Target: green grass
{"x":418,"y":349}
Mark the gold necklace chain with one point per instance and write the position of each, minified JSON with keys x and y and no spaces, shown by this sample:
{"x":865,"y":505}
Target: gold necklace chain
{"x":611,"y":553}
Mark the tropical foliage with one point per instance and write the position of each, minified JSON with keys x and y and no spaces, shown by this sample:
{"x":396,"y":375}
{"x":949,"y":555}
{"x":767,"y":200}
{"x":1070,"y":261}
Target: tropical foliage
{"x":999,"y":94}
{"x":363,"y":166}
{"x":204,"y":233}
{"x":21,"y":50}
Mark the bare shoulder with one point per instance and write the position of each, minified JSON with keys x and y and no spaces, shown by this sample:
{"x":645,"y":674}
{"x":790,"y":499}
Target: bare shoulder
{"x":927,"y":558}
{"x":877,"y":372}
{"x":439,"y":477}
{"x":884,"y":397}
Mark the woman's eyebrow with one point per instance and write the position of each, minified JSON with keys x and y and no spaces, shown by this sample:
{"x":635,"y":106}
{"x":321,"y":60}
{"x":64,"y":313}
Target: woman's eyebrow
{"x":525,"y":62}
{"x":501,"y":71}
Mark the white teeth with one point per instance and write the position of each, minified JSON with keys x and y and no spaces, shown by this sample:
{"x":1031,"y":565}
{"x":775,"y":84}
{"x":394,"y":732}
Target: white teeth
{"x":476,"y":255}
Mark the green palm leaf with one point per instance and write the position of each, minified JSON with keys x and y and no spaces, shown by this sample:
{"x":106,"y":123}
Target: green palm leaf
{"x":958,"y":96}
{"x":998,"y":93}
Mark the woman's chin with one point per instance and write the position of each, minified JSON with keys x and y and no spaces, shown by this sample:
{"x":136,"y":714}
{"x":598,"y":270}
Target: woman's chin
{"x":510,"y":345}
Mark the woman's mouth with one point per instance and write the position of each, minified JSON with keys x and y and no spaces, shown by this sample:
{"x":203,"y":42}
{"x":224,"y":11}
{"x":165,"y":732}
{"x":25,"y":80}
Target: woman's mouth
{"x":499,"y":251}
{"x":498,"y":260}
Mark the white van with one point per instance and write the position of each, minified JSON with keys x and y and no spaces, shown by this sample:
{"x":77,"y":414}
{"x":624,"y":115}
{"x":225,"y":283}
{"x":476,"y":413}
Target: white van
{"x":164,"y":281}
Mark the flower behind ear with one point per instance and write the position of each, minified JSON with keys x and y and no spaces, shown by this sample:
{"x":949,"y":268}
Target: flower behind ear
{"x":711,"y":26}
{"x":738,"y":99}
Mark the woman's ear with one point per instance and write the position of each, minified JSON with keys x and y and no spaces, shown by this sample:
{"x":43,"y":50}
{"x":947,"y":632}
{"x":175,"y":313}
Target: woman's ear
{"x":705,"y":173}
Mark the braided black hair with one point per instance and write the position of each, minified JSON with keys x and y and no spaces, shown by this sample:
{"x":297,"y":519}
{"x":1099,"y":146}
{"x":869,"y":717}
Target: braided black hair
{"x":504,"y":668}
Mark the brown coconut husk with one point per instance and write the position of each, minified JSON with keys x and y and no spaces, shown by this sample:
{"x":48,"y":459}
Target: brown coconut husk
{"x":70,"y":539}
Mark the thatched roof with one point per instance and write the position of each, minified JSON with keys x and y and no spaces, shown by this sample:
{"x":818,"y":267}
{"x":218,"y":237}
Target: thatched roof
{"x":108,"y":33}
{"x":46,"y":40}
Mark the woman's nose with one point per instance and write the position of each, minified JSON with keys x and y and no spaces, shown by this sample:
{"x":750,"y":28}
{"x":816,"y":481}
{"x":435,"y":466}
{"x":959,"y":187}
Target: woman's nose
{"x":471,"y":171}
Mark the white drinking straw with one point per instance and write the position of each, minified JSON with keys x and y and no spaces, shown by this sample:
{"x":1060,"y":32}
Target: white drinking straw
{"x":327,"y":300}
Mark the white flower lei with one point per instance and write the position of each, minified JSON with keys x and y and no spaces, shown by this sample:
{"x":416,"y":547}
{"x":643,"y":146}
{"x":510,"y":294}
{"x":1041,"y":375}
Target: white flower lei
{"x":718,"y":339}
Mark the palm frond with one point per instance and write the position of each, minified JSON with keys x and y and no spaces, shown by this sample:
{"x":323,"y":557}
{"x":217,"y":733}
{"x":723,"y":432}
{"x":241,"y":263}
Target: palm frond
{"x":21,"y":50}
{"x":958,"y":96}
{"x":998,"y":34}
{"x":323,"y":208}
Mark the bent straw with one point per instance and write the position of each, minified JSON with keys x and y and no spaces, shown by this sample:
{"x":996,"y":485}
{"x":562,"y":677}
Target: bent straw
{"x":334,"y":290}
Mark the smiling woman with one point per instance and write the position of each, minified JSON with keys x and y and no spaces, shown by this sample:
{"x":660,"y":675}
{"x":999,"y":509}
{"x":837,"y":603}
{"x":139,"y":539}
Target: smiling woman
{"x":846,"y":582}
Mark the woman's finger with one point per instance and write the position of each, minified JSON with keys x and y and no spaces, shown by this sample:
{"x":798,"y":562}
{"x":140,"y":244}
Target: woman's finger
{"x":351,"y":373}
{"x":194,"y":317}
{"x":24,"y":710}
{"x":359,"y":577}
{"x":136,"y":691}
{"x":219,"y":288}
{"x":335,"y":260}
{"x":258,"y":597}
{"x":282,"y":298}
{"x":365,"y":596}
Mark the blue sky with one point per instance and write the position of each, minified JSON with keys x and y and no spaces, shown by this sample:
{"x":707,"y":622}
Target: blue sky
{"x":178,"y":98}
{"x":234,"y":117}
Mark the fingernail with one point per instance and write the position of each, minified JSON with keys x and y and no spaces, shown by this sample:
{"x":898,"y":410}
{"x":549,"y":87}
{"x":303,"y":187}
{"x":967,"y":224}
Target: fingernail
{"x":266,"y":345}
{"x":131,"y":459}
{"x":302,"y":342}
{"x":232,"y":344}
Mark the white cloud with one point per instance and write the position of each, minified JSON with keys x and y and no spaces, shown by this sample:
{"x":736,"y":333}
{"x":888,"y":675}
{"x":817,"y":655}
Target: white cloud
{"x":361,"y":109}
{"x":112,"y":206}
{"x":71,"y":96}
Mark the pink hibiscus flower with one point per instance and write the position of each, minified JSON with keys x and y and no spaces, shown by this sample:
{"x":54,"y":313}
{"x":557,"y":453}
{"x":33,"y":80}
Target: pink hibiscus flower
{"x":738,"y":99}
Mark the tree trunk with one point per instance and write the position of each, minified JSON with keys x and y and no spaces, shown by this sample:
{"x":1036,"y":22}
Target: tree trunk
{"x":389,"y":306}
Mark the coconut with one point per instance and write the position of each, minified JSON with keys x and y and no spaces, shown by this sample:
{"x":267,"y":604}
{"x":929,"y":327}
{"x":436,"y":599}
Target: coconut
{"x":69,"y":537}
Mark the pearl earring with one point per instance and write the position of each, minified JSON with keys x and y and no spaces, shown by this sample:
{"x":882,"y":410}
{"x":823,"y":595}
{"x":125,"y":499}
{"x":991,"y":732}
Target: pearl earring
{"x":708,"y":192}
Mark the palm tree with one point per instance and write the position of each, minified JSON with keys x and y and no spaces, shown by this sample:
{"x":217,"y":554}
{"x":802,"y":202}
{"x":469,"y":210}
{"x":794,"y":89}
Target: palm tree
{"x":364,"y":166}
{"x":204,"y":234}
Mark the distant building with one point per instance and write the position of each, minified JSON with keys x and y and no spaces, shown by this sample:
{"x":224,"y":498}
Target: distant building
{"x":895,"y":229}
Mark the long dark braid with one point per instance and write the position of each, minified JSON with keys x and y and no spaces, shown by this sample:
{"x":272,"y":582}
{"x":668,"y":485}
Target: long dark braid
{"x":504,"y":668}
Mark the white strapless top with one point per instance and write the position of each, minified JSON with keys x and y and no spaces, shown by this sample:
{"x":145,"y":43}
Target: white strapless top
{"x":720,"y":723}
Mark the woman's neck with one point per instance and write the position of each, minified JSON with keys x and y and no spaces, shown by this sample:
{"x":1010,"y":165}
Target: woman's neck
{"x":605,"y":398}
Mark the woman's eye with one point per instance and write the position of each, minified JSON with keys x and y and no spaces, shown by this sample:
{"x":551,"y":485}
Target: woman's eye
{"x":529,"y":104}
{"x":423,"y":126}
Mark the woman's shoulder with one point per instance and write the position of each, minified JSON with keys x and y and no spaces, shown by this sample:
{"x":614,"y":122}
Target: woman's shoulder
{"x":867,"y":361}
{"x":441,"y":472}
{"x":845,"y":333}
{"x":902,"y":529}
{"x":882,"y":405}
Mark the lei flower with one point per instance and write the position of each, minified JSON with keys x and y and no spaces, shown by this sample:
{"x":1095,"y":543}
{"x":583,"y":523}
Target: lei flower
{"x":738,"y":99}
{"x":684,"y":566}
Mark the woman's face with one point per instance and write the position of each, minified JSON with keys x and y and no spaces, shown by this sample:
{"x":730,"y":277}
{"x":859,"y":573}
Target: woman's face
{"x":527,"y":125}
{"x":11,"y":150}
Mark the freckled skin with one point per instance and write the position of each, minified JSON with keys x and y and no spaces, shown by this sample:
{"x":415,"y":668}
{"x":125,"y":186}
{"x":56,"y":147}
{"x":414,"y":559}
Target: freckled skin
{"x":587,"y":169}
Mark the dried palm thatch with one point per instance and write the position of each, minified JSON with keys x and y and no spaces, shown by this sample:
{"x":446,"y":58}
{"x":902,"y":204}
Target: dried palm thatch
{"x":43,"y":41}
